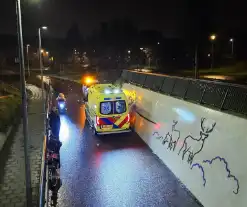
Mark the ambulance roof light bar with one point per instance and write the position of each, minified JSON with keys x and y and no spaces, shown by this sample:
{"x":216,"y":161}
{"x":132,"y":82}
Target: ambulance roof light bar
{"x":115,"y":91}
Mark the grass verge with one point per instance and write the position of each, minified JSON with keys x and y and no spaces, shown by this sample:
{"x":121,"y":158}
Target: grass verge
{"x":240,"y":69}
{"x":10,"y":101}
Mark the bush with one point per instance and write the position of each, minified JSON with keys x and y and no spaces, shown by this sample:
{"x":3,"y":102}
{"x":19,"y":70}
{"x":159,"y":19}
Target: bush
{"x":7,"y":89}
{"x":8,"y":108}
{"x":9,"y":105}
{"x":240,"y":66}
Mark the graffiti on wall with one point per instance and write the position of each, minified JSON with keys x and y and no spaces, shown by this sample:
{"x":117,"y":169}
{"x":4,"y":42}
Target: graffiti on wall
{"x":171,"y":138}
{"x":226,"y":167}
{"x":188,"y":147}
{"x":192,"y":146}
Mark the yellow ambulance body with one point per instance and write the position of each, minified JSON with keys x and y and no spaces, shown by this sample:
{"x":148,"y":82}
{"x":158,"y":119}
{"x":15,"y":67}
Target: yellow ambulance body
{"x":107,"y":109}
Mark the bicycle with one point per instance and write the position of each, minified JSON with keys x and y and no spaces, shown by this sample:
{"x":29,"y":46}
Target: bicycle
{"x":53,"y":162}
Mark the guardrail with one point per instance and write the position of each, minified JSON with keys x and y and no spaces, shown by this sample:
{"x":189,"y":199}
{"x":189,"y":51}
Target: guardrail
{"x":222,"y":96}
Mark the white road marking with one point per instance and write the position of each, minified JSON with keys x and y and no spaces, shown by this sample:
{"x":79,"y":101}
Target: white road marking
{"x":36,"y":92}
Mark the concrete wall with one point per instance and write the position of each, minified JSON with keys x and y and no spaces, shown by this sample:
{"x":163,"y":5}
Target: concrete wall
{"x":204,"y":148}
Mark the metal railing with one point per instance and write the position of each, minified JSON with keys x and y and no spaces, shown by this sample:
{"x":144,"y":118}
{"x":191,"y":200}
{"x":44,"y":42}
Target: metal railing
{"x":43,"y":174}
{"x":220,"y":95}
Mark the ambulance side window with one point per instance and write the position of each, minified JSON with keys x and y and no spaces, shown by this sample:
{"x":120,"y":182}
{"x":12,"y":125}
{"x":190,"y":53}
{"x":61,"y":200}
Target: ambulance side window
{"x":120,"y":107}
{"x":106,"y":108}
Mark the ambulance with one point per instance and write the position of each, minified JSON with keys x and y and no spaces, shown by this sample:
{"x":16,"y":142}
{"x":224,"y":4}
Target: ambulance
{"x":107,"y":110}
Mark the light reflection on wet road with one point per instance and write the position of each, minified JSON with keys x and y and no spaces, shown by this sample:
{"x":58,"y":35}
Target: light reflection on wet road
{"x":115,"y":171}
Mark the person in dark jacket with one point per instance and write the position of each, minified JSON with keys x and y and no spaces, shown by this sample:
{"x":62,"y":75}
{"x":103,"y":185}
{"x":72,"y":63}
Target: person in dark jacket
{"x":54,"y":122}
{"x":54,"y":143}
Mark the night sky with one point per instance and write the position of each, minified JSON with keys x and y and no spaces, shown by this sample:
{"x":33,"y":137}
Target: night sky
{"x":172,"y":17}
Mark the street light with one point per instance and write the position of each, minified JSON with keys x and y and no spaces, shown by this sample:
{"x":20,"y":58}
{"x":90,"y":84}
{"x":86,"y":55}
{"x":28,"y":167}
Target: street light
{"x":129,"y":51}
{"x":24,"y":105}
{"x":212,"y":38}
{"x":232,"y":42}
{"x":47,"y":53}
{"x":28,"y":60}
{"x":41,"y":70}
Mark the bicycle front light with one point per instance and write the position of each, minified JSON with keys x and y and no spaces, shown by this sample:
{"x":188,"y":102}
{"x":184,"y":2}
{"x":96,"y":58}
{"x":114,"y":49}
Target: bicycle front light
{"x":61,"y":105}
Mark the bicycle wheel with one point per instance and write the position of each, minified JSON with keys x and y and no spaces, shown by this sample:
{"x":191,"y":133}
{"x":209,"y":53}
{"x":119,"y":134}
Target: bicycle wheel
{"x":54,"y":199}
{"x":54,"y":179}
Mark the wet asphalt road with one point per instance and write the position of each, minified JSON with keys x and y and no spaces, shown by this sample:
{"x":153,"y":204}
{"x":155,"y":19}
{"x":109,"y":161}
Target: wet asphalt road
{"x":111,"y":171}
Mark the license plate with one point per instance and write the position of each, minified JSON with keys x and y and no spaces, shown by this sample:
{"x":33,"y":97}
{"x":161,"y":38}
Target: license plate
{"x":106,"y":126}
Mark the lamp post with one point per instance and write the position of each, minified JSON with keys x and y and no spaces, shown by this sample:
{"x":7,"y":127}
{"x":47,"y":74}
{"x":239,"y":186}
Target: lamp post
{"x":28,"y":69}
{"x":41,"y":71}
{"x":212,"y":38}
{"x":24,"y":105}
{"x":232,"y":43}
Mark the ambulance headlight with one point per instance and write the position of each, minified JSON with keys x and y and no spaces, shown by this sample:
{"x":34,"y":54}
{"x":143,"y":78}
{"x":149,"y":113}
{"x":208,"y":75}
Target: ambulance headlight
{"x":107,"y":91}
{"x":116,"y":91}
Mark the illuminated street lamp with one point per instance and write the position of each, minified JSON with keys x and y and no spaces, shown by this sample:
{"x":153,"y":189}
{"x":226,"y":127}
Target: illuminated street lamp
{"x":28,"y":60}
{"x":41,"y":51}
{"x":129,"y":51}
{"x":212,"y":38}
{"x":47,"y":53}
{"x":232,"y":43}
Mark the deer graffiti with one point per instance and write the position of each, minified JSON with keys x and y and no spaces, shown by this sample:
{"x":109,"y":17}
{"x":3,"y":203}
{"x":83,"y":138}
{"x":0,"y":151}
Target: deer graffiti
{"x":193,"y":146}
{"x":173,"y":142}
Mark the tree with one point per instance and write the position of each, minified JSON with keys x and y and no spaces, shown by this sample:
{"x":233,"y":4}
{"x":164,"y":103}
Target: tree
{"x":74,"y":38}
